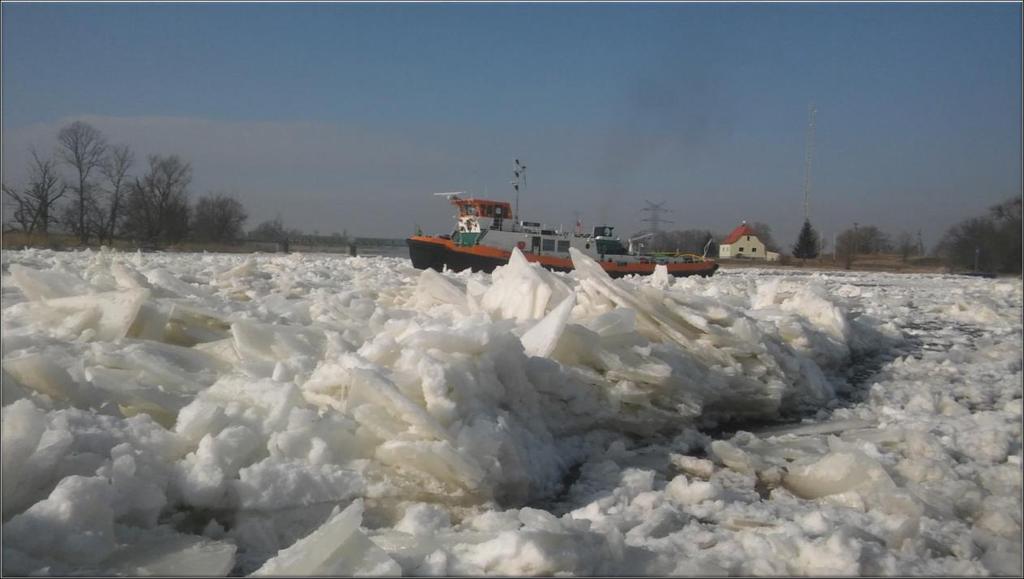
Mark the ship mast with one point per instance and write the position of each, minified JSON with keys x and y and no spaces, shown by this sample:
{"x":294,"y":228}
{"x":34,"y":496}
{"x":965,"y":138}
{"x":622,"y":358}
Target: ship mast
{"x":520,"y":177}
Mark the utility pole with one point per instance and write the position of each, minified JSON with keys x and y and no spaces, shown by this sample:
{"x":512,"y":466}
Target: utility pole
{"x":812,"y":112}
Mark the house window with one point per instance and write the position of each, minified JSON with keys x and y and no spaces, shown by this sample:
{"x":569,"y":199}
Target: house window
{"x":740,"y":249}
{"x":754,"y":250}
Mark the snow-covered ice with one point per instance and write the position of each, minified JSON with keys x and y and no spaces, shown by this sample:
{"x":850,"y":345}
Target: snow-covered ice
{"x":211,"y":414}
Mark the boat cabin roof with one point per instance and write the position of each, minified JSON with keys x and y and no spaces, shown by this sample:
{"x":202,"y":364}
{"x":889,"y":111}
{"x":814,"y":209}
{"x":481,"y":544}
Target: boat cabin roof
{"x":483,"y":207}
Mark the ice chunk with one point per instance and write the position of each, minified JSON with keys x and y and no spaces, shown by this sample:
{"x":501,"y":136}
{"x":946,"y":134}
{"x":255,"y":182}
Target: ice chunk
{"x":653,"y":318}
{"x":244,"y":269}
{"x":616,"y":322}
{"x":74,"y":524}
{"x":150,"y":322}
{"x":23,"y":427}
{"x":433,"y":287}
{"x":437,"y":458}
{"x":681,"y":491}
{"x":163,"y":552}
{"x":274,"y":484}
{"x":126,"y":277}
{"x":736,"y":458}
{"x":522,"y":290}
{"x":133,"y":397}
{"x":223,"y":350}
{"x":423,"y":519}
{"x":171,"y":284}
{"x":839,"y":554}
{"x":261,"y":346}
{"x":188,"y":324}
{"x":42,"y":285}
{"x":172,"y":367}
{"x":693,"y":466}
{"x":837,"y":472}
{"x":203,"y":475}
{"x":114,"y":312}
{"x":46,"y":373}
{"x":338,"y":547}
{"x":660,"y":278}
{"x":541,"y":339}
{"x":42,"y":374}
{"x":368,"y":388}
{"x":831,"y":427}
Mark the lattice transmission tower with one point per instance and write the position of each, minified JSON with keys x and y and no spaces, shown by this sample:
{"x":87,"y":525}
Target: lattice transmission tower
{"x":655,"y":211}
{"x":812,"y":112}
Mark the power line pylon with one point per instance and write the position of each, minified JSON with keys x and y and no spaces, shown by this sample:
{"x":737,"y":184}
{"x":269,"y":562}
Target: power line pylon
{"x":655,"y":219}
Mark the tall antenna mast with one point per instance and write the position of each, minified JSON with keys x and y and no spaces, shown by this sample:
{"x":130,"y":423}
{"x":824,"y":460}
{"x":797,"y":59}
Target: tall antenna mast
{"x":808,"y":158}
{"x":655,"y":219}
{"x":520,"y":177}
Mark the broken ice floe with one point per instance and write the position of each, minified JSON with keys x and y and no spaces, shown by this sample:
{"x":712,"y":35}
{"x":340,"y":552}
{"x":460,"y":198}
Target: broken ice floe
{"x":235,"y":414}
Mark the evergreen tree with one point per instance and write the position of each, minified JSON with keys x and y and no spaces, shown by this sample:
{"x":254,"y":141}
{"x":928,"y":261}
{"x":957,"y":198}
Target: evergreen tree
{"x":807,"y":244}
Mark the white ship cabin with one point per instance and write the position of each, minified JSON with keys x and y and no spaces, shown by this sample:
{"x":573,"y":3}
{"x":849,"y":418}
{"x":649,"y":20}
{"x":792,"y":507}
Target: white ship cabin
{"x":483,"y":222}
{"x":743,"y":243}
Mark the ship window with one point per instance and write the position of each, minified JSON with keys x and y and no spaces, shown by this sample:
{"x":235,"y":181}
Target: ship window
{"x":587,"y":246}
{"x":548,"y":244}
{"x":563,"y":246}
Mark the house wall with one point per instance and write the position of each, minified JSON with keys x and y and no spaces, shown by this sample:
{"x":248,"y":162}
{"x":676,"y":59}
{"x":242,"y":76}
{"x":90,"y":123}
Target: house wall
{"x":746,"y":246}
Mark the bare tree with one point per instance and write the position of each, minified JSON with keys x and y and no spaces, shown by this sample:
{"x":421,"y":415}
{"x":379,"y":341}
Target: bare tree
{"x":83,"y":147}
{"x":871,"y":239}
{"x":156,"y":207}
{"x":764,"y":233}
{"x":18,"y":209}
{"x":847,"y":246}
{"x":269,"y":230}
{"x":906,"y":245}
{"x":684,"y":240}
{"x":114,"y":169}
{"x":987,"y":243}
{"x":219,"y":218}
{"x":34,"y":205}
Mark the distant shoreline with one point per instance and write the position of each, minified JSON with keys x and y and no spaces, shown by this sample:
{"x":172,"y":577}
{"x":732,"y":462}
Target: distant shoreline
{"x":889,"y":263}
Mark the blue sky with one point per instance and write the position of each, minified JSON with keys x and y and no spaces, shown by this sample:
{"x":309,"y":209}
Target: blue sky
{"x":347,"y":116}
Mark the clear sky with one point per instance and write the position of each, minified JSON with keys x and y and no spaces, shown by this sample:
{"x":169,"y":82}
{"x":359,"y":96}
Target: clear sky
{"x":348,"y":116}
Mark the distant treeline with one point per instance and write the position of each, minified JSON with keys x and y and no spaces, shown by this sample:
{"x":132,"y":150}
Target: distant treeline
{"x":989,"y":243}
{"x":89,"y":188}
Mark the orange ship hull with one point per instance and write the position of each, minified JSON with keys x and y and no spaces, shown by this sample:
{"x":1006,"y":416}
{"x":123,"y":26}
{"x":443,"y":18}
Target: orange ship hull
{"x":438,"y":253}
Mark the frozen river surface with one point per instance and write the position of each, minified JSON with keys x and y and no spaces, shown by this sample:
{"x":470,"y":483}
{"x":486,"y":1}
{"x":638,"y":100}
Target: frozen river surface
{"x":311,"y":414}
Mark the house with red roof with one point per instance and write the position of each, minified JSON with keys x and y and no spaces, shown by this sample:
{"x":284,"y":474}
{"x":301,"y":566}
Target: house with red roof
{"x":744,"y":243}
